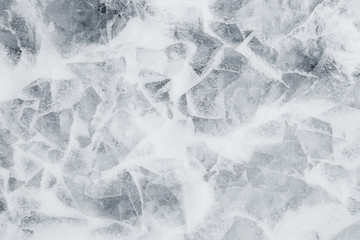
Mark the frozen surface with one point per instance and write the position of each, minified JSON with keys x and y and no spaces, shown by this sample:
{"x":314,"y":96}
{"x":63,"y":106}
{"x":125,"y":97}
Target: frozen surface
{"x":180,"y":119}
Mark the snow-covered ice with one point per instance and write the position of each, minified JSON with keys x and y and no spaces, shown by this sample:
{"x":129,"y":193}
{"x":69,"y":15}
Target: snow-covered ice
{"x":180,"y":119}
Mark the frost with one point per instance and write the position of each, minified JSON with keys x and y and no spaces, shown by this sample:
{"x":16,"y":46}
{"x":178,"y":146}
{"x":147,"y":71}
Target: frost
{"x":184,"y":120}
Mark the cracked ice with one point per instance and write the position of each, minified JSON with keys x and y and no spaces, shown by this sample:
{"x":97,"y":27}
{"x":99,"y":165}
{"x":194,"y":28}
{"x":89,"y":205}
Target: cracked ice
{"x":180,"y":119}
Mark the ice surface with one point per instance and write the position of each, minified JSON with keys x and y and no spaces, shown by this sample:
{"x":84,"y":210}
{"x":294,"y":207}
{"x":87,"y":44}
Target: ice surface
{"x":184,"y":120}
{"x":233,"y":61}
{"x":301,"y":56}
{"x":206,"y":47}
{"x":156,"y":90}
{"x":114,"y":198}
{"x":229,"y":33}
{"x":284,"y":157}
{"x":176,"y":51}
{"x":86,"y":107}
{"x":262,"y":50}
{"x":207,"y":97}
{"x":40,"y":90}
{"x":205,"y":155}
{"x":351,"y":232}
{"x":226,"y":9}
{"x":244,"y":229}
{"x":17,"y":35}
{"x":3,"y":205}
{"x":14,"y":184}
{"x":56,"y":126}
{"x":114,"y":229}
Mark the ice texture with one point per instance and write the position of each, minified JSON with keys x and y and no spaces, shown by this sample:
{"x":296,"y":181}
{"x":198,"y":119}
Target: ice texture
{"x":181,"y":119}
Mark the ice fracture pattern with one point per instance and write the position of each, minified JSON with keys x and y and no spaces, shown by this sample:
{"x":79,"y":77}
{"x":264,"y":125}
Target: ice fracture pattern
{"x":180,"y":119}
